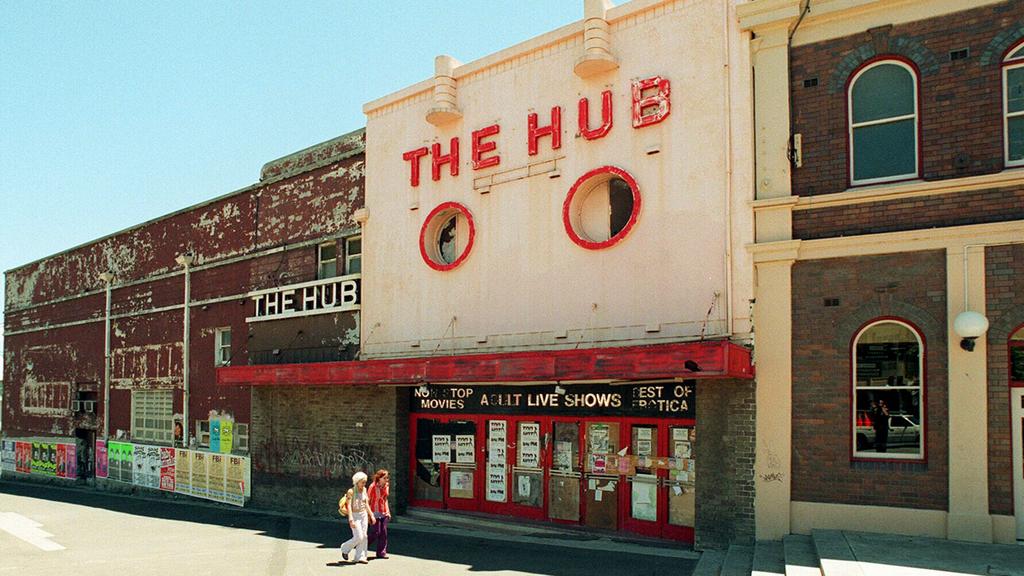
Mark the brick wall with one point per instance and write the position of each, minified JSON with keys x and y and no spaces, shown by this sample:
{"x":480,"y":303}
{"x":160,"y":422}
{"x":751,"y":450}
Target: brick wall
{"x":910,"y":286}
{"x":942,"y":210}
{"x":1004,"y":294}
{"x":960,"y":101}
{"x":307,"y":443}
{"x":725,"y":453}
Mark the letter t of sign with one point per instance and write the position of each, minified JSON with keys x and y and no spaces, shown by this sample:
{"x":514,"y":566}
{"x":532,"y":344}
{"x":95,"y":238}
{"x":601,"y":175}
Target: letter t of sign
{"x":413,"y":157}
{"x":554,"y":130}
{"x":437,"y":160}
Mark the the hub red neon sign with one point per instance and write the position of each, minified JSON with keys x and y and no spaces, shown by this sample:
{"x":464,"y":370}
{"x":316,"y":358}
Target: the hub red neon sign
{"x":651,"y":105}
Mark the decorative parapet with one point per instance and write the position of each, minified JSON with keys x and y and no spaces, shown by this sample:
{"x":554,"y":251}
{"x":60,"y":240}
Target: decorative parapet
{"x":445,"y":103}
{"x":597,"y":54}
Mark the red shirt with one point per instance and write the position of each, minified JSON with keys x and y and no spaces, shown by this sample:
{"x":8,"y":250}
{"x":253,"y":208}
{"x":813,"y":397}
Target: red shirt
{"x":379,"y":498}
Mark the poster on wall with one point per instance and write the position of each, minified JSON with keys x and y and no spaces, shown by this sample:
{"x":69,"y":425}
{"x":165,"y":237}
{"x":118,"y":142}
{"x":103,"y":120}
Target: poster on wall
{"x":153,"y":467}
{"x":227,"y":436}
{"x":71,"y":464}
{"x":496,"y":482}
{"x":529,"y":445}
{"x":200,"y":481}
{"x":234,"y":486}
{"x":101,"y":459}
{"x":7,"y":457}
{"x":139,"y":465}
{"x":23,"y":457}
{"x":215,"y":435}
{"x":217,"y":471}
{"x":496,"y":441}
{"x":465,"y":445}
{"x":62,"y":457}
{"x":183,"y":471}
{"x":167,"y":469}
{"x":442,"y":448}
{"x":120,"y":461}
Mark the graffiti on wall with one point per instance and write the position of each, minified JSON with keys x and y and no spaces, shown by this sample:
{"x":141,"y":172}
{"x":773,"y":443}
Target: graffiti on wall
{"x":314,"y":459}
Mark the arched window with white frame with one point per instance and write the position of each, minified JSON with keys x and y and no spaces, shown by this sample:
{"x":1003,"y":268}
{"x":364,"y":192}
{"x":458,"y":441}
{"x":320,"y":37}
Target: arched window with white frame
{"x":1013,"y":106}
{"x":884,"y":123}
{"x":888,"y":391}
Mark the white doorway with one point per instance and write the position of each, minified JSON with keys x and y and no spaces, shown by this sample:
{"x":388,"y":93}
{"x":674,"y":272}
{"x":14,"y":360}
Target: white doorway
{"x":1017,"y":415}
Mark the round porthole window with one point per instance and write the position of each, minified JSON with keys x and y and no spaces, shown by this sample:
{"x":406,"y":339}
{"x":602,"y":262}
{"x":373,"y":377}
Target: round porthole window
{"x":601,"y":208}
{"x":447,"y":236}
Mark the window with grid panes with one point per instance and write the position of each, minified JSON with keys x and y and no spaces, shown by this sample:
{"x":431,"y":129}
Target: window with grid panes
{"x":153,"y":415}
{"x":354,"y":255}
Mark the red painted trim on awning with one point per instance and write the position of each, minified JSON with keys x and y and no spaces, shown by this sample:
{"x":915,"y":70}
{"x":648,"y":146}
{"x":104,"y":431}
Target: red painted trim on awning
{"x":715,"y":360}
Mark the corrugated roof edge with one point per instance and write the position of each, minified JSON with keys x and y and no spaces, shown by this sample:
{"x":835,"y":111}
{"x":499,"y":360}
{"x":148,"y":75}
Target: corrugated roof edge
{"x":340,"y":155}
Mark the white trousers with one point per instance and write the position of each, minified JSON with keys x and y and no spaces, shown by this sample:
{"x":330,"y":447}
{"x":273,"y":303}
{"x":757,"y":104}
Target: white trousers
{"x":358,"y":539}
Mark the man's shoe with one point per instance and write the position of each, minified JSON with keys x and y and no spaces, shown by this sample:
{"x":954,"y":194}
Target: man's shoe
{"x":345,"y":556}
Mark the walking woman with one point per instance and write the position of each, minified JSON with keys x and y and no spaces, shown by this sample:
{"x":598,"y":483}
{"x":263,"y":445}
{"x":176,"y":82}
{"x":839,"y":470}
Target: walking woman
{"x":358,"y":508}
{"x":378,"y":493}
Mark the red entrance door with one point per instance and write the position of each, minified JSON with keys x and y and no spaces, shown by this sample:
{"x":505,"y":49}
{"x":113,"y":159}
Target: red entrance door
{"x":446,"y":462}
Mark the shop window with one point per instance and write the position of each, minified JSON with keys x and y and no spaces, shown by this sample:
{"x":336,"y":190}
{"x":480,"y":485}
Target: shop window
{"x":152,"y":417}
{"x":888,"y":391}
{"x":601,"y":208}
{"x":447,"y":236}
{"x":1013,"y":106}
{"x":327,"y":260}
{"x":222,"y":347}
{"x":354,"y":255}
{"x":883,"y":123}
{"x":1017,"y":358}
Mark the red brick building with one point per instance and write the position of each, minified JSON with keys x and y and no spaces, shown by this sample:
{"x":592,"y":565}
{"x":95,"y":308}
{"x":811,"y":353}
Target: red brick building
{"x":890,"y":227}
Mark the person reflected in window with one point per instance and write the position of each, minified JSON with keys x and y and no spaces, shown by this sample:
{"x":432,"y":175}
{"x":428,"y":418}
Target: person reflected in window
{"x":880,"y":422}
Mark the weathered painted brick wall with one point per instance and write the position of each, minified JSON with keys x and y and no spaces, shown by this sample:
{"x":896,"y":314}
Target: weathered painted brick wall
{"x":1004,"y":295}
{"x":725,"y":457}
{"x":311,"y":441}
{"x":960,"y":101}
{"x":909,"y":286}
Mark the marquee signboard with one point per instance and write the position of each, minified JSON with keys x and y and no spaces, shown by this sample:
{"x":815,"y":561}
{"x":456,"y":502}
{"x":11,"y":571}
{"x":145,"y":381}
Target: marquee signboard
{"x":660,"y":400}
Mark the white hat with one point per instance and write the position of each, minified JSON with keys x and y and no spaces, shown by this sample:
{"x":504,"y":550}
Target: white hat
{"x":357,"y":477}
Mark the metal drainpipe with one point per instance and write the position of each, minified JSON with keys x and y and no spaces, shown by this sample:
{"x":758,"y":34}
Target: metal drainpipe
{"x":107,"y":278}
{"x":185,"y":260}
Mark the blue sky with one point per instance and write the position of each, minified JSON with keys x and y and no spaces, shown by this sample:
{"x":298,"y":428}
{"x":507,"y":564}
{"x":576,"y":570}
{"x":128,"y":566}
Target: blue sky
{"x":113,"y":113}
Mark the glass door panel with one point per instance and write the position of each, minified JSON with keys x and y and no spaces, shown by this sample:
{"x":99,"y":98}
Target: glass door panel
{"x":644,"y":483}
{"x":462,"y":460}
{"x":497,"y":461}
{"x":427,"y":476}
{"x":681,"y":476}
{"x":565,"y":475}
{"x":527,"y":474}
{"x":601,"y":482}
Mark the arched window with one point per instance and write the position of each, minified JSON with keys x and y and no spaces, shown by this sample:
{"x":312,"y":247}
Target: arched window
{"x":888,"y":391}
{"x":1013,"y":106}
{"x":883,"y":123}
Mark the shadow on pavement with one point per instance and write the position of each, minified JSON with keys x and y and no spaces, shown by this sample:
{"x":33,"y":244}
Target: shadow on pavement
{"x":477,"y":554}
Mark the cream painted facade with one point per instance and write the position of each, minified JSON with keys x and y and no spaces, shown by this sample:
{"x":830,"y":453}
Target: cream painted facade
{"x":682,"y":272}
{"x":775,"y":251}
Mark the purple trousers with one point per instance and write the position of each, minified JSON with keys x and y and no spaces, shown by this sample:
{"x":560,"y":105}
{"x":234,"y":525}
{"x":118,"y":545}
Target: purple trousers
{"x":379,"y":532}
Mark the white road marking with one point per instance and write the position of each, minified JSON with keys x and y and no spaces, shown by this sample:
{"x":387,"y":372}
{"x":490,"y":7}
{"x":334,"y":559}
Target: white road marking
{"x":28,"y":530}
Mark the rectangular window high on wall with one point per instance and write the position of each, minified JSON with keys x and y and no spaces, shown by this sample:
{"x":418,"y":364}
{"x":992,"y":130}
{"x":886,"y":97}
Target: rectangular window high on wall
{"x":152,"y":416}
{"x":327,"y":260}
{"x":222,"y":350}
{"x":1013,"y":106}
{"x":888,"y":392}
{"x":354,"y":255}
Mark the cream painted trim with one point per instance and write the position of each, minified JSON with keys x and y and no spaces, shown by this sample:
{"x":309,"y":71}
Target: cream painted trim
{"x":890,"y":242}
{"x":807,"y":516}
{"x":774,"y":203}
{"x":882,"y":193}
{"x":762,"y":14}
{"x":1004,"y":529}
{"x":535,"y":44}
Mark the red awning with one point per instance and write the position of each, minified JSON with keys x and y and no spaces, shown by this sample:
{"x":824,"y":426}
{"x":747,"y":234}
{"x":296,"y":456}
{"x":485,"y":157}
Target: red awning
{"x":703,"y":360}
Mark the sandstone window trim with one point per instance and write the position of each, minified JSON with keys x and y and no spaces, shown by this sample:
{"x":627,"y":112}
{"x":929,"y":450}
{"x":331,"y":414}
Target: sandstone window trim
{"x":876,"y":377}
{"x":860,"y":102}
{"x":1013,"y":64}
